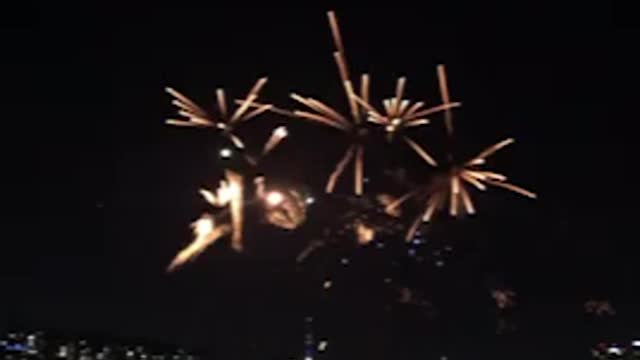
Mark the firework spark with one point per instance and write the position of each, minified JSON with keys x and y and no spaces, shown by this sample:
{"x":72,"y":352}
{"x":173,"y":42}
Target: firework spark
{"x":194,"y":116}
{"x":450,"y":189}
{"x":206,"y":233}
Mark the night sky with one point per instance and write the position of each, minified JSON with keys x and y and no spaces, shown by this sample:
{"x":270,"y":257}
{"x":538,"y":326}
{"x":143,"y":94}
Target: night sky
{"x":116,"y":187}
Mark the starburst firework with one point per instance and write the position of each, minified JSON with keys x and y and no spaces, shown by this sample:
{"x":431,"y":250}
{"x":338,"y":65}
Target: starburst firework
{"x":195,"y":116}
{"x":450,"y":189}
{"x":399,"y":113}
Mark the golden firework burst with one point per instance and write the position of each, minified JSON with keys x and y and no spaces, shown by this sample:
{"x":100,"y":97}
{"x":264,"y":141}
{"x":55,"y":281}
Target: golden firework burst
{"x":398,"y":113}
{"x":450,"y":189}
{"x":194,"y":116}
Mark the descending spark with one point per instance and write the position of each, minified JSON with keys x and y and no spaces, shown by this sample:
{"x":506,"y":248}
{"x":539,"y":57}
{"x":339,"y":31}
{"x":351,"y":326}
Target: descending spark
{"x":276,"y":137}
{"x":205,"y":233}
{"x":450,"y":189}
{"x":236,"y":205}
{"x":229,"y":193}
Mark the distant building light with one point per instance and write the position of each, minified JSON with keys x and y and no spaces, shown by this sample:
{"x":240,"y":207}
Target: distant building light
{"x":635,"y":343}
{"x":614,"y":350}
{"x":322,"y":345}
{"x":63,"y":351}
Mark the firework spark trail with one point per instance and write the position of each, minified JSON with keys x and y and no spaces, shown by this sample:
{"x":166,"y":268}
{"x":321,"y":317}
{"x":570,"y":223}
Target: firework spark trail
{"x":339,"y":169}
{"x":236,"y":205}
{"x":276,"y":137}
{"x":444,"y":94}
{"x":422,"y":152}
{"x":206,"y":233}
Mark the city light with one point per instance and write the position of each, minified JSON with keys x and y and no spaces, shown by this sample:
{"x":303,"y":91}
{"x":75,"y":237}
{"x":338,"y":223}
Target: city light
{"x":322,"y":345}
{"x":614,"y":350}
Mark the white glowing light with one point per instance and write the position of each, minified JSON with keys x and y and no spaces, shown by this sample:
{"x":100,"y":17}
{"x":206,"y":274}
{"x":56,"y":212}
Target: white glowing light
{"x":281,"y":132}
{"x":396,"y":121}
{"x":615,"y":350}
{"x":344,"y":261}
{"x":203,"y":226}
{"x":226,"y":153}
{"x":274,"y":198}
{"x":310,"y":200}
{"x":635,"y":343}
{"x":327,"y":284}
{"x":322,"y":346}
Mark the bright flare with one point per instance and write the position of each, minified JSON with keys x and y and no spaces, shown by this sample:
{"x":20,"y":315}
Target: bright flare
{"x":274,"y":198}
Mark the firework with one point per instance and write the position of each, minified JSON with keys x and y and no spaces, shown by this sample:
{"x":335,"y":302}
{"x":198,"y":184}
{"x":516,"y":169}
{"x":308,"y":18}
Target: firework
{"x":194,"y":116}
{"x":206,"y":233}
{"x":398,"y":113}
{"x":450,"y":189}
{"x":349,"y":124}
{"x":228,"y":196}
{"x":286,"y":208}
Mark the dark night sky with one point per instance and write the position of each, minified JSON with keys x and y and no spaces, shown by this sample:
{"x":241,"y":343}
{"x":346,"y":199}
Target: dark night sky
{"x":117,"y":187}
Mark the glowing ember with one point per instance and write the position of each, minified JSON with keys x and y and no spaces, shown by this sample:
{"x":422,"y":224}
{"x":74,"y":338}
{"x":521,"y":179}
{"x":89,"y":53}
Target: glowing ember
{"x":274,"y":198}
